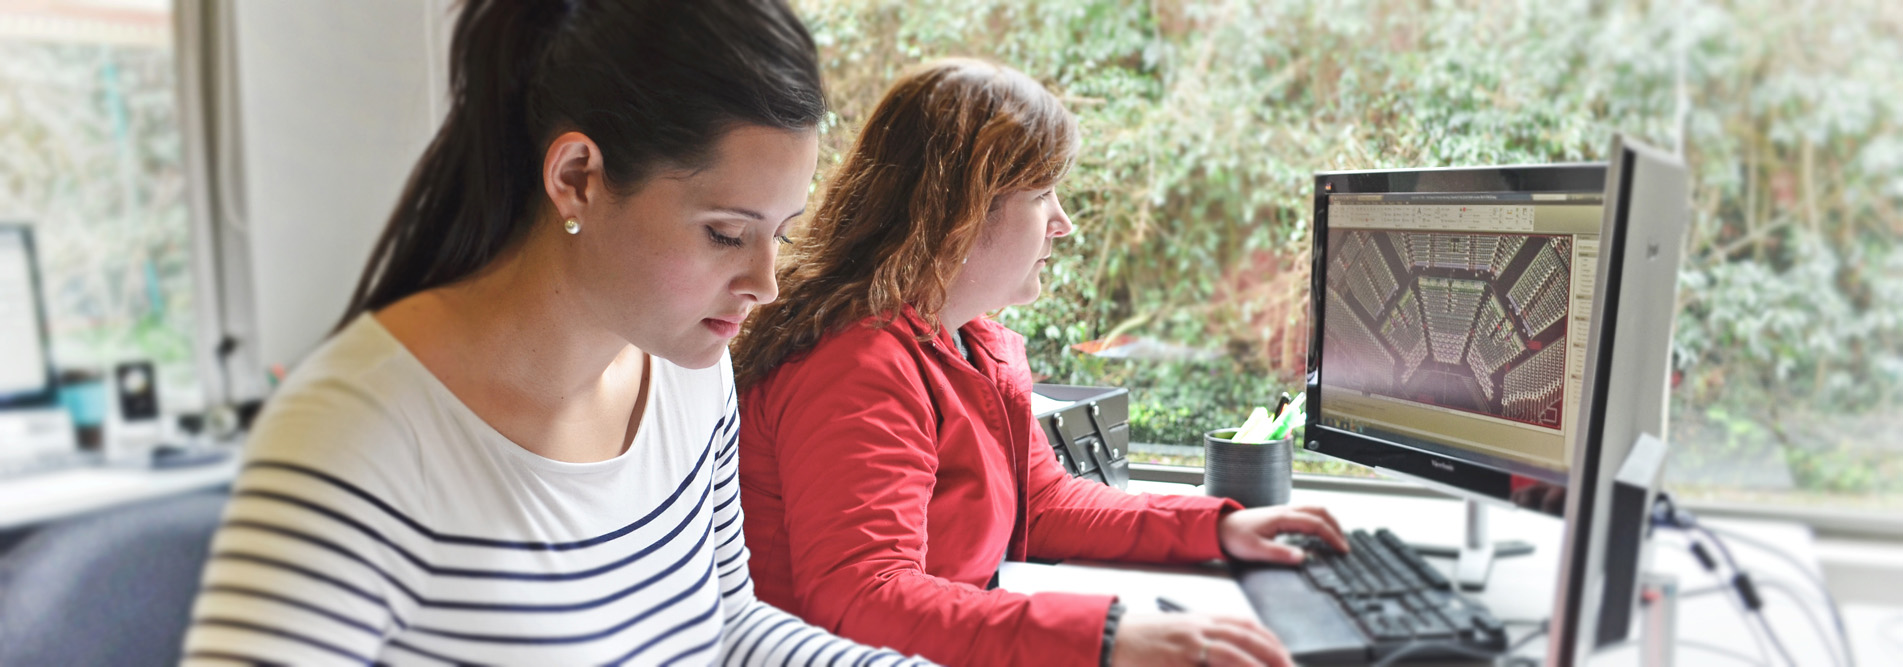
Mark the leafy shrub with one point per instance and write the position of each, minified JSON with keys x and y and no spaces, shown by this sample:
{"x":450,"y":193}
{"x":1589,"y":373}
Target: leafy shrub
{"x":1204,"y":121}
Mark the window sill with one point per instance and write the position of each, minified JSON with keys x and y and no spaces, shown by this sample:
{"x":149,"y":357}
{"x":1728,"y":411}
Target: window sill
{"x":1827,"y":523}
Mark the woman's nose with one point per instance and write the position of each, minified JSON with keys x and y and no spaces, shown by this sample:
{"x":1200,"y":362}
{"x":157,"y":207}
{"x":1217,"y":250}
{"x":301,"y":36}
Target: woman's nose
{"x":758,"y":280}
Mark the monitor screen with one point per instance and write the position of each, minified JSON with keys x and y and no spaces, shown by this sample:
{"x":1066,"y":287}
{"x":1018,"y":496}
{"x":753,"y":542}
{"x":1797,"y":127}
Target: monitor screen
{"x":1453,"y":314}
{"x":25,"y":368}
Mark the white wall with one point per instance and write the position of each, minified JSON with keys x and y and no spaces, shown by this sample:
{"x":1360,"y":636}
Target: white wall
{"x":335,"y":102}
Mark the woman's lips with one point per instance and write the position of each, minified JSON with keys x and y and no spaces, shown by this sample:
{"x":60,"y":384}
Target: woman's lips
{"x":722,"y":328}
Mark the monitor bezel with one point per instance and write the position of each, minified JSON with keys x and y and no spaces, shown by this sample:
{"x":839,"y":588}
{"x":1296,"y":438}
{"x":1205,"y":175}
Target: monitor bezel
{"x":1627,"y":362}
{"x":48,"y":393}
{"x":1478,"y":479}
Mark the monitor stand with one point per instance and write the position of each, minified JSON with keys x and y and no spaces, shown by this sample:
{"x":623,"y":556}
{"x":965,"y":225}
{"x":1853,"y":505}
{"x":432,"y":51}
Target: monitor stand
{"x":1474,"y":557}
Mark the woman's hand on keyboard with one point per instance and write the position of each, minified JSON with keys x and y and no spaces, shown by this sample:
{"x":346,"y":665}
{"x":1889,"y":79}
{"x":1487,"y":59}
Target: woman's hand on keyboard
{"x":1249,"y":534}
{"x":1194,"y":640}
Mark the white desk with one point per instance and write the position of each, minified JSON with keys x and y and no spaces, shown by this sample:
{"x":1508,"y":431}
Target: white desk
{"x":1520,"y":589}
{"x":25,"y":501}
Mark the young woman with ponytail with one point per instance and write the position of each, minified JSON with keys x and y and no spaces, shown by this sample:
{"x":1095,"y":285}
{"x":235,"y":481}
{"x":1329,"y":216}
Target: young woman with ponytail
{"x":519,"y":446}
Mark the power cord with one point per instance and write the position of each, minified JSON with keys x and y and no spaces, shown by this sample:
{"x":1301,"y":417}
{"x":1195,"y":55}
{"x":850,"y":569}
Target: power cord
{"x":1751,"y":604}
{"x":1703,"y":591}
{"x":1811,"y":616}
{"x":1666,"y":513}
{"x":1817,"y":582}
{"x":1513,"y":660}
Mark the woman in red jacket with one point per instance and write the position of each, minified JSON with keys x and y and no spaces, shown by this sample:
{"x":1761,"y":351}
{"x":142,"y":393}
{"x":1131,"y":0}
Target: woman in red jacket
{"x":889,"y":457}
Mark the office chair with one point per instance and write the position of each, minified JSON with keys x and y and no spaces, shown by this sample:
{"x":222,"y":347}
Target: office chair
{"x":110,"y":588}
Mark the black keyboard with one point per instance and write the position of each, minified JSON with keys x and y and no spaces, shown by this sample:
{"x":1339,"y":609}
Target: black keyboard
{"x":1362,"y":606}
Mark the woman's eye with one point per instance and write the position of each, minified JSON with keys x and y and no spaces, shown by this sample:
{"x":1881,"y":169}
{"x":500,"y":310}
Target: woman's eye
{"x":782,"y":239}
{"x":723,"y":239}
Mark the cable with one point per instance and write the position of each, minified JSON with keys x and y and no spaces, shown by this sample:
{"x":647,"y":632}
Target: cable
{"x":1523,"y":641}
{"x":1713,"y":589}
{"x":1711,"y":565}
{"x":1513,"y":660}
{"x":1816,"y":625}
{"x":1665,"y":512}
{"x":1830,"y":602}
{"x":1748,"y":596}
{"x":1778,"y":642}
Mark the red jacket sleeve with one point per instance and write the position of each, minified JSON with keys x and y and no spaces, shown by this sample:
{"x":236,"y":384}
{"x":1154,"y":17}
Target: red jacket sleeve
{"x":1072,"y":517}
{"x":858,"y":461}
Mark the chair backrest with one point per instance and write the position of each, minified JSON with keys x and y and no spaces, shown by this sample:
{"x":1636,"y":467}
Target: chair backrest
{"x":110,"y":588}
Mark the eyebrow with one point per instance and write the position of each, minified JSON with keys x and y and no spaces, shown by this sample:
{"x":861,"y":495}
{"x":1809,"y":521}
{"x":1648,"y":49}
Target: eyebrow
{"x":749,"y":213}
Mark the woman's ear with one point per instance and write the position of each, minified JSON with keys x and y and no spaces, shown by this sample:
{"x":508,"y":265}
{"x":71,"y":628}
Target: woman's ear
{"x":572,"y":174}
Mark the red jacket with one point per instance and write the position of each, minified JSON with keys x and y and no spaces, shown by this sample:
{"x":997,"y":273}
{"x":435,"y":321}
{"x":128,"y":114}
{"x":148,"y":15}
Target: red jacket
{"x":884,"y":479}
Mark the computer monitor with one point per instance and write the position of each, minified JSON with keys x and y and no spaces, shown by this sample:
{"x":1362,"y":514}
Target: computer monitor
{"x":1470,"y":334}
{"x":1619,"y":452}
{"x":32,"y":423}
{"x":1450,"y":311}
{"x":26,"y":367}
{"x":1450,"y":328}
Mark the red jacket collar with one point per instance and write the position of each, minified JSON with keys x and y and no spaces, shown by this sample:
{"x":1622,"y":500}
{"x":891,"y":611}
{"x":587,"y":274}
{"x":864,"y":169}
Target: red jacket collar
{"x":983,"y":333}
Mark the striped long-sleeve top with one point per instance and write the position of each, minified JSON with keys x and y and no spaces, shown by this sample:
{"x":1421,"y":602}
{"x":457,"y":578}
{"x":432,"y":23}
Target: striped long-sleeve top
{"x":378,"y":519}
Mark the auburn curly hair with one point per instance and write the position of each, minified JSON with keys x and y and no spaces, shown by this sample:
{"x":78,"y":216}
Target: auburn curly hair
{"x":944,"y":144}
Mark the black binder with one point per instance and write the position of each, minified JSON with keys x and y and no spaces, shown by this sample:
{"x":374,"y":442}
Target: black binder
{"x":1091,"y":433}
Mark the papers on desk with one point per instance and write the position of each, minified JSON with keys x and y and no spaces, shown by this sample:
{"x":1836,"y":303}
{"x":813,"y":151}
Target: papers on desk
{"x":1207,"y":589}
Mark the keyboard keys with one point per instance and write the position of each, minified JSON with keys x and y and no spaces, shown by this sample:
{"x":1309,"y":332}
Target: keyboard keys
{"x":1432,"y":626}
{"x":1486,"y":623}
{"x":1325,"y":577}
{"x":1388,"y":628}
{"x":1415,"y":563}
{"x":1394,"y":595}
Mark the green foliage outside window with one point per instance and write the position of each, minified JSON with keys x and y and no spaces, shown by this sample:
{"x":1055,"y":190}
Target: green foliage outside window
{"x":1204,"y":121}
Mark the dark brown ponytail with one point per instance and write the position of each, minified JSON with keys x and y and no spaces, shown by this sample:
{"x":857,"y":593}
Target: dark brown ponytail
{"x":652,"y":82}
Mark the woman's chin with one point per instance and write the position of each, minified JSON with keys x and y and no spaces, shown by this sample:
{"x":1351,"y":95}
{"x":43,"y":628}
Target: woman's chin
{"x":1030,"y":298}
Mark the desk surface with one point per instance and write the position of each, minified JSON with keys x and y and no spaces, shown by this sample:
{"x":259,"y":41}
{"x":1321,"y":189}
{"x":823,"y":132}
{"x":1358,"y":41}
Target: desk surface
{"x":1520,"y":589}
{"x":29,"y":500}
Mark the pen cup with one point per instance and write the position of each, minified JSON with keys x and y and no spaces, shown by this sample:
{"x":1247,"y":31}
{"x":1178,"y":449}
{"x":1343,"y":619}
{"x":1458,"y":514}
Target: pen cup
{"x":83,"y":393}
{"x":1256,"y":475}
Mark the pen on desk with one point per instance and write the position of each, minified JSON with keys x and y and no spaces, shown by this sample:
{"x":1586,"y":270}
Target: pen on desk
{"x":1169,"y":605}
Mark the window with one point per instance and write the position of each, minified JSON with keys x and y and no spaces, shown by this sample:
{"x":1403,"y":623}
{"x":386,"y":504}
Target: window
{"x":91,"y":156}
{"x":1187,"y":279}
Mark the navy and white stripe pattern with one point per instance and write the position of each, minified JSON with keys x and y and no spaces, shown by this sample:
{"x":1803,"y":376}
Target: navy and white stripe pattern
{"x":413,"y":552}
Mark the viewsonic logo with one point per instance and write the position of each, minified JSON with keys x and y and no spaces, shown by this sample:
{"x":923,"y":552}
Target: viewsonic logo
{"x":1443,"y":465}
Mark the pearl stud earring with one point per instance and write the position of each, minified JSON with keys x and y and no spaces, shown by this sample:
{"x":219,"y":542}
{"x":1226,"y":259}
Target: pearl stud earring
{"x":573,"y":226}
